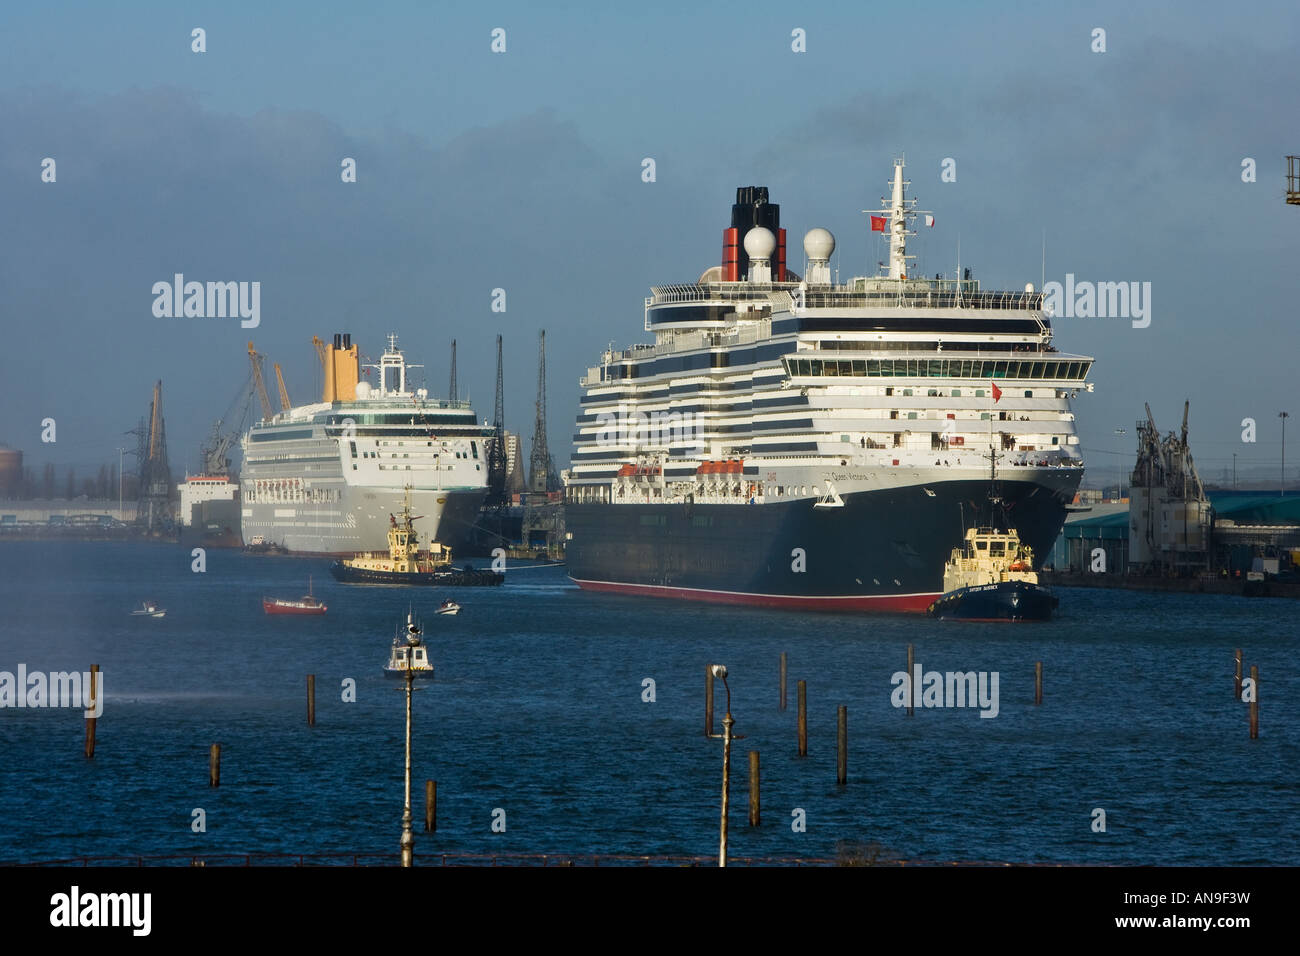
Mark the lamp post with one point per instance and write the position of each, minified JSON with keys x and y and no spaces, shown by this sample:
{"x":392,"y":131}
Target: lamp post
{"x":1284,"y":416}
{"x":408,"y":837}
{"x":720,"y":672}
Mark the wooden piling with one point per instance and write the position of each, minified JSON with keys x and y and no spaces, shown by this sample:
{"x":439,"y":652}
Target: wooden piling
{"x":754,"y":816}
{"x":783,"y":680}
{"x":911,"y":684}
{"x":214,"y":766}
{"x":842,"y":746}
{"x":803,"y":717}
{"x":89,"y":696}
{"x":430,"y":806}
{"x":311,"y":700}
{"x":708,"y":700}
{"x":1038,"y":683}
{"x":1254,"y":702}
{"x":1236,"y":691}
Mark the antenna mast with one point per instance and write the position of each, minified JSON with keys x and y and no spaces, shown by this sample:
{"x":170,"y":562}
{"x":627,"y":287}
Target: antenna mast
{"x":451,"y":389}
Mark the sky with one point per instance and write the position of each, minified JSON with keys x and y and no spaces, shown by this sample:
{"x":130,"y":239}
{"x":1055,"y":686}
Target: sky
{"x":522,"y":170}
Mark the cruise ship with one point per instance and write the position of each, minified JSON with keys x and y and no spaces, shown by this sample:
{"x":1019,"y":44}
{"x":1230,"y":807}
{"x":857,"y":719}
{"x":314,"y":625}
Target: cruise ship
{"x":794,"y":441}
{"x":327,"y":478}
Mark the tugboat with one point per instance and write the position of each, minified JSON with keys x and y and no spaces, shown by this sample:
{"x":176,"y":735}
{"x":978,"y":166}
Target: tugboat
{"x":149,"y":609}
{"x":409,"y":655}
{"x":991,"y":576}
{"x":259,"y":545}
{"x":307,"y":604}
{"x":406,"y":564}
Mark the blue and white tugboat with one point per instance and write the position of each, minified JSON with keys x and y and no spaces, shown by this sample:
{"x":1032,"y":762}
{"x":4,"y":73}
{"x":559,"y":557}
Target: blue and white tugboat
{"x":991,"y":576}
{"x":409,"y":655}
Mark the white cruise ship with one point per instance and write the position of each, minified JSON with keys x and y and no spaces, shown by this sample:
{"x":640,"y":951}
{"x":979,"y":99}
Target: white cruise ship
{"x":794,"y":441}
{"x":326,"y":478}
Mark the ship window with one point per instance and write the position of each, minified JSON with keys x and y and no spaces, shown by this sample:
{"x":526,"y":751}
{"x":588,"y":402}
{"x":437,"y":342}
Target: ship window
{"x":956,"y":393}
{"x":1056,"y":440}
{"x":473,"y":446}
{"x":894,"y":413}
{"x":982,"y":545}
{"x":932,"y":393}
{"x":911,"y":415}
{"x":979,"y":393}
{"x":907,"y":391}
{"x":889,"y":391}
{"x":984,"y":416}
{"x":1029,"y":393}
{"x":354,"y":467}
{"x":354,"y":448}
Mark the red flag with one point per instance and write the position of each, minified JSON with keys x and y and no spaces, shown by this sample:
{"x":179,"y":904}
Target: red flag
{"x":997,"y":392}
{"x":877,"y":223}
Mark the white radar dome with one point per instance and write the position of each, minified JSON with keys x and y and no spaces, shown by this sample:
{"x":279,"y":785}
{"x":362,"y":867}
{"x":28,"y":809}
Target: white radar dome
{"x":760,"y":243}
{"x":819,"y":244}
{"x":363,"y":389}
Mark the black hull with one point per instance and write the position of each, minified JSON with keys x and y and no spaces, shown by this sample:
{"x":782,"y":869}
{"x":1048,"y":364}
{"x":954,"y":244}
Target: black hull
{"x":1006,"y":601}
{"x":453,"y":578}
{"x":884,"y":550}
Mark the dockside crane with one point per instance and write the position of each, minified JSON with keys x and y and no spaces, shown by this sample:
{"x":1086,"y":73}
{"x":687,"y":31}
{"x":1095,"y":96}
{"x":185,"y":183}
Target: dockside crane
{"x":285,"y":404}
{"x":498,"y":499}
{"x":255,"y":358}
{"x":214,"y":453}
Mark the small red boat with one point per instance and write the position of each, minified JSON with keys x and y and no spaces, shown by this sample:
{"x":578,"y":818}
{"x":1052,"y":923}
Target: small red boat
{"x":307,"y":604}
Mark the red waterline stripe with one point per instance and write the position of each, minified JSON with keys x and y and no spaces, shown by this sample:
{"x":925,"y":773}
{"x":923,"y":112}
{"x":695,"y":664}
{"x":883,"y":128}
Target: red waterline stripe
{"x":911,"y":603}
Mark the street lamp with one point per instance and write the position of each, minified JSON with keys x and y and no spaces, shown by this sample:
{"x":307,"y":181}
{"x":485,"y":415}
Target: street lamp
{"x":1284,"y":416}
{"x":408,"y":838}
{"x":720,"y":671}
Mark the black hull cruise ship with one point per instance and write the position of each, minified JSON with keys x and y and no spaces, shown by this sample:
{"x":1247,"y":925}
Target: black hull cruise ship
{"x":788,"y":441}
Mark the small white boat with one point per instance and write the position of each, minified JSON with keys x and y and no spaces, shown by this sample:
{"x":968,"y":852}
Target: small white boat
{"x":449,"y":607}
{"x":149,"y":609}
{"x":409,"y":655}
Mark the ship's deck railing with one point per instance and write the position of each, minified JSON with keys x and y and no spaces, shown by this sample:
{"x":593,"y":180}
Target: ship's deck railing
{"x":861,"y":293}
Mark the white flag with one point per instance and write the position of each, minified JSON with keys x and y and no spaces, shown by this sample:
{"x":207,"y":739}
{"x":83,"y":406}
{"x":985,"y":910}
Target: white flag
{"x":929,"y":220}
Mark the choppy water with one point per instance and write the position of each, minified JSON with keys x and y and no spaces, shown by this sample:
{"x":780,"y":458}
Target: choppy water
{"x":537,"y":709}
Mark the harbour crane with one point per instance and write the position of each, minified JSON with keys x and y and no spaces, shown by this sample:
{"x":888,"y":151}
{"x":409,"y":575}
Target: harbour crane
{"x":225,"y":433}
{"x":285,"y":404}
{"x":255,"y":359}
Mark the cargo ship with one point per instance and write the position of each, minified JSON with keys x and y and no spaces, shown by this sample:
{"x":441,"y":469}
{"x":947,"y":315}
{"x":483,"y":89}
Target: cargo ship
{"x":324,"y":478}
{"x":793,"y":441}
